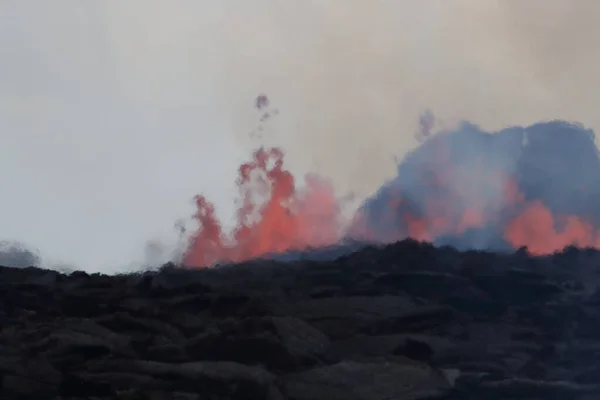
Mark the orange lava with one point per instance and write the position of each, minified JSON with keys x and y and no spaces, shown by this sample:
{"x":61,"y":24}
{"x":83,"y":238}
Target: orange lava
{"x":536,"y":229}
{"x":276,"y":215}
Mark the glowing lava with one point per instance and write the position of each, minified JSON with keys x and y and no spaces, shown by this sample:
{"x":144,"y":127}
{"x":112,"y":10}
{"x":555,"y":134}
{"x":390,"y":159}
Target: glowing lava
{"x":478,"y":189}
{"x":274,"y":215}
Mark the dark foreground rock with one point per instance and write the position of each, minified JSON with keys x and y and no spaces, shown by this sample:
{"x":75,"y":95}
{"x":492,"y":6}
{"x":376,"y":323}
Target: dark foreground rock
{"x":404,"y":322}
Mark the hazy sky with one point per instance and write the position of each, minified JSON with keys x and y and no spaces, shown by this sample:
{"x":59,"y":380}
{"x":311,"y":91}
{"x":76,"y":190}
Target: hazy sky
{"x":113,"y":114}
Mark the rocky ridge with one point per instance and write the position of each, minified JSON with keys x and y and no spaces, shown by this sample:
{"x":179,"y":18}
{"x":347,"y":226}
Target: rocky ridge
{"x":402,"y":322}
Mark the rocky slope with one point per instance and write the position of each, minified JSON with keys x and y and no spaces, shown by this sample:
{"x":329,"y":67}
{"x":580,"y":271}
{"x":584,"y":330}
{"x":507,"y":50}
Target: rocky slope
{"x":403,"y":322}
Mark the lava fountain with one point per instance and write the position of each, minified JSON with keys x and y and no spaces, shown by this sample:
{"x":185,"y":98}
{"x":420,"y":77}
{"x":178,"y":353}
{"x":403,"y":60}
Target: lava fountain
{"x":536,"y":187}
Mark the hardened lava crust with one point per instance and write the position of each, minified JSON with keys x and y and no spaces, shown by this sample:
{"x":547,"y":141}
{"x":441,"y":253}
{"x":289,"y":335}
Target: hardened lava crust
{"x":404,"y":321}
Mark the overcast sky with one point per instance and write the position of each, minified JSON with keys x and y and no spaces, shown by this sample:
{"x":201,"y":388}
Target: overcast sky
{"x":113,"y":114}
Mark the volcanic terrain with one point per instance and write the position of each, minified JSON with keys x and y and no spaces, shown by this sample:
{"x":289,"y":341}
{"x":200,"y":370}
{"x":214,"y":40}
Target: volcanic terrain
{"x":473,"y":274}
{"x":402,"y":321}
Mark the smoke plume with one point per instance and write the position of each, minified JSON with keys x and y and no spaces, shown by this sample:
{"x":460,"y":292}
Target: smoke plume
{"x":536,"y":187}
{"x":18,"y":255}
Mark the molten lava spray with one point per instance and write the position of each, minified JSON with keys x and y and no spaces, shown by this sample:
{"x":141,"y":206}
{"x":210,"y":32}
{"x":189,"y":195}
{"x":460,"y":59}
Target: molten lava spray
{"x":274,"y":215}
{"x":537,"y":187}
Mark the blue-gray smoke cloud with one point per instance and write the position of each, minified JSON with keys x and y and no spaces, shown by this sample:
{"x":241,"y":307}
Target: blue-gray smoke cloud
{"x":555,"y":162}
{"x":18,"y":255}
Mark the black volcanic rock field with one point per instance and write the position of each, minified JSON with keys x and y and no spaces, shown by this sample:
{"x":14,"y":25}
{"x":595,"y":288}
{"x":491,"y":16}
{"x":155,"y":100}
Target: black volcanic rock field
{"x":403,"y":322}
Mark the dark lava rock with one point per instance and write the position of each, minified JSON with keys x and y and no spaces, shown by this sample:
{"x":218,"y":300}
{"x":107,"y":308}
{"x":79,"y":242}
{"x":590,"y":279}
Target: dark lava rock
{"x":404,"y":321}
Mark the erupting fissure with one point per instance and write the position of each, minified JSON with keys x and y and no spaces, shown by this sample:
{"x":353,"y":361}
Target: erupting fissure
{"x":536,"y":187}
{"x":274,"y":215}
